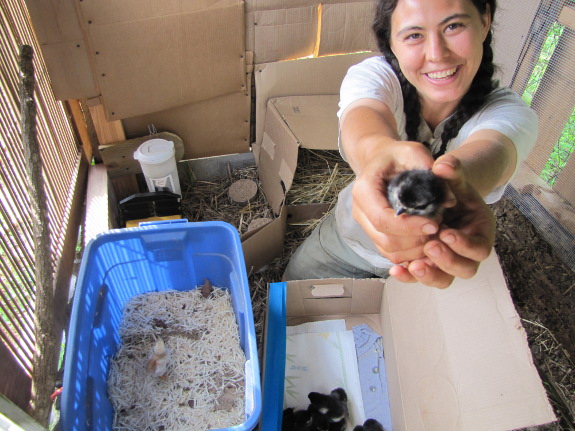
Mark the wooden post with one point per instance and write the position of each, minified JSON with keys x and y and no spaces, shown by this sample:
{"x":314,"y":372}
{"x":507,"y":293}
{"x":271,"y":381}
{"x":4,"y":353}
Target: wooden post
{"x":43,"y":373}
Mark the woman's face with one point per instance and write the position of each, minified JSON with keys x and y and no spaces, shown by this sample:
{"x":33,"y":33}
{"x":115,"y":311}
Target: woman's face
{"x":439,"y":46}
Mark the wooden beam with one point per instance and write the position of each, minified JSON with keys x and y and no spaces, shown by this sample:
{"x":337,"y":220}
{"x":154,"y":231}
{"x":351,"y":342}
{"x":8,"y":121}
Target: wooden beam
{"x":43,"y":372}
{"x":107,"y":131}
{"x":565,"y":185}
{"x":66,"y":265}
{"x":100,"y":215}
{"x":528,"y":182}
{"x":15,"y":418}
{"x":79,"y":124}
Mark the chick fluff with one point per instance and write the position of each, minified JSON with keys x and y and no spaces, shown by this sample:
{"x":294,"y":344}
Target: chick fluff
{"x":416,"y":192}
{"x":159,"y":359}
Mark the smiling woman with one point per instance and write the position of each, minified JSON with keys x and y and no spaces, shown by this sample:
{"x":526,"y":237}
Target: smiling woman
{"x":428,"y":102}
{"x":439,"y":50}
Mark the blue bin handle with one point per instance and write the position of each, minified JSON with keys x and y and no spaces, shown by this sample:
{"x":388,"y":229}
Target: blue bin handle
{"x":150,"y":223}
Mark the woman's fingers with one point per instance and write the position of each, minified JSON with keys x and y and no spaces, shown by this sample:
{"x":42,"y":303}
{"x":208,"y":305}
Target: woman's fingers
{"x":450,"y":262}
{"x":474,"y":247}
{"x":422,"y":271}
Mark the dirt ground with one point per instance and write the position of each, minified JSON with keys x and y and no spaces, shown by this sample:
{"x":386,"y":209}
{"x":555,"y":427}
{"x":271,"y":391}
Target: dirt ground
{"x":543,"y":291}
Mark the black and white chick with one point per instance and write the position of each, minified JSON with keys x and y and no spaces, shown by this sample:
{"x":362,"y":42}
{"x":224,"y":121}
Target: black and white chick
{"x":297,"y":420}
{"x":416,"y":192}
{"x":369,"y":425}
{"x":304,"y":420}
{"x":332,"y":407}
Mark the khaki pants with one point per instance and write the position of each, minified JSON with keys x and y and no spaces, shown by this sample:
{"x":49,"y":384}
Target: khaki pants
{"x":325,"y":255}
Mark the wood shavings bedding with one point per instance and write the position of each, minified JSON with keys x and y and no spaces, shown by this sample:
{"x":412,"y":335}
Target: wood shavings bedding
{"x":203,"y":387}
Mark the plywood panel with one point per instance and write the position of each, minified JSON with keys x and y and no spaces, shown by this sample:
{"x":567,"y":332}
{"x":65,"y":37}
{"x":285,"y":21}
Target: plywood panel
{"x":154,"y":64}
{"x":54,"y":20}
{"x":57,"y":26}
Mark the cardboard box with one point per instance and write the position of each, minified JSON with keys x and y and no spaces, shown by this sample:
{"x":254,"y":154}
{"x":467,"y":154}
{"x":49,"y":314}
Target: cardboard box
{"x":456,"y":359}
{"x":284,"y":123}
{"x":262,"y":245}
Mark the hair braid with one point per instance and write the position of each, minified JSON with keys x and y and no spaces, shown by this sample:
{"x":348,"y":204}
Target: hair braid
{"x":411,"y":102}
{"x":481,"y":86}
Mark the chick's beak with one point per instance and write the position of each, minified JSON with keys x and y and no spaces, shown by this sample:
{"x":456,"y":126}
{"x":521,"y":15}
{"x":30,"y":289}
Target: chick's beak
{"x":399,"y":211}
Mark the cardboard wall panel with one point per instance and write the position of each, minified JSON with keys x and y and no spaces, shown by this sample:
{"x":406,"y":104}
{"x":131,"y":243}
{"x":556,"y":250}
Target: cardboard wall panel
{"x":113,"y":11}
{"x":208,"y":128}
{"x":282,"y":34}
{"x":155,"y":64}
{"x":346,"y":27}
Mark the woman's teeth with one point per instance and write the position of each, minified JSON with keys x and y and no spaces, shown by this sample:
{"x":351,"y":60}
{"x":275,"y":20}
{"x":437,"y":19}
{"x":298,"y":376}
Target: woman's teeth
{"x":442,"y":74}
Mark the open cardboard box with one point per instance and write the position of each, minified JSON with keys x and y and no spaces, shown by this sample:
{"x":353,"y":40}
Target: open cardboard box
{"x":456,"y":359}
{"x":284,"y":124}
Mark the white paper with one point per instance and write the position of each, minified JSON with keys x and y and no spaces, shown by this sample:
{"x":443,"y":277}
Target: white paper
{"x":321,"y":362}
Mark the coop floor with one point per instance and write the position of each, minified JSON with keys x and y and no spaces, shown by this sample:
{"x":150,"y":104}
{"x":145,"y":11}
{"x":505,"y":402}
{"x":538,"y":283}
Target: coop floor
{"x":542,"y":289}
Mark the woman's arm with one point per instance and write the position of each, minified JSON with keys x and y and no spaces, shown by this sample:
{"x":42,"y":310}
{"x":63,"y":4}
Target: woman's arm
{"x":375,"y":152}
{"x":488,"y":159}
{"x":484,"y":161}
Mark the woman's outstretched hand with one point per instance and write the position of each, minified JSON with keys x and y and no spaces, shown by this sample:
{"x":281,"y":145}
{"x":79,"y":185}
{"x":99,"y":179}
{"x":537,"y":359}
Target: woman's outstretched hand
{"x":465,"y":238}
{"x":399,"y":239}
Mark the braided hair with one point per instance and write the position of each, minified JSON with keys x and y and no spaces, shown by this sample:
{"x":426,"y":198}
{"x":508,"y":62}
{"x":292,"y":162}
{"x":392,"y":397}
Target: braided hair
{"x":482,"y":84}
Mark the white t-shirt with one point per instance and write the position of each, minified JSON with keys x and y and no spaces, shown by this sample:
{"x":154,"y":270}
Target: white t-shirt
{"x":373,"y":78}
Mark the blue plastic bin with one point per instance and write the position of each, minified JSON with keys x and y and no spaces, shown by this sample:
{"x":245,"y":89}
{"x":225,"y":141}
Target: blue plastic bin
{"x":120,"y":264}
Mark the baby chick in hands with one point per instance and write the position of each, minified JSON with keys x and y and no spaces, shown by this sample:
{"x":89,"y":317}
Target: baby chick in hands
{"x":416,"y":192}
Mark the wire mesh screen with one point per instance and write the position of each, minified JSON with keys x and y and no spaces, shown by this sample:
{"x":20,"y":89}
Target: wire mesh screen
{"x":60,"y":158}
{"x":544,"y":187}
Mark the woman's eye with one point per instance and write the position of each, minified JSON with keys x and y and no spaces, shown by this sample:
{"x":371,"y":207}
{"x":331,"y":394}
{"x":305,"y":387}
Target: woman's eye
{"x":454,"y":26}
{"x":414,"y":36}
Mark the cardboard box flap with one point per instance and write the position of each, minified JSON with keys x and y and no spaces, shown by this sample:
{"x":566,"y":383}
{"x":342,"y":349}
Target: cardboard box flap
{"x":460,"y":357}
{"x":276,"y":158}
{"x":314,"y":299}
{"x":312,"y":119}
{"x":310,"y":76}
